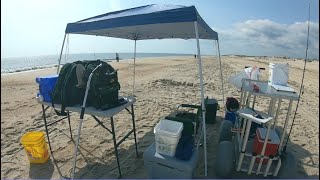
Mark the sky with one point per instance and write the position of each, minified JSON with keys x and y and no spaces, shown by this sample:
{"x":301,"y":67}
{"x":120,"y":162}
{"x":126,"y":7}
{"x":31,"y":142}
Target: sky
{"x":246,"y":27}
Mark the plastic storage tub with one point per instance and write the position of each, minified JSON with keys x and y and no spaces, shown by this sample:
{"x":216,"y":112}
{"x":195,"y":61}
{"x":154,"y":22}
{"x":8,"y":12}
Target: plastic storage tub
{"x":46,"y":86}
{"x":35,"y":146}
{"x":167,"y":135}
{"x":167,"y":167}
{"x":272,"y":144}
{"x":278,"y":74}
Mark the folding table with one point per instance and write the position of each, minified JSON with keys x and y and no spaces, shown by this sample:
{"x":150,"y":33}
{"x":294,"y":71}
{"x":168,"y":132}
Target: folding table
{"x":94,"y":113}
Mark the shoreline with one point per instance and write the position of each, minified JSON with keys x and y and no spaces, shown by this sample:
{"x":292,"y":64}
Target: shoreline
{"x":267,"y":58}
{"x":56,"y":65}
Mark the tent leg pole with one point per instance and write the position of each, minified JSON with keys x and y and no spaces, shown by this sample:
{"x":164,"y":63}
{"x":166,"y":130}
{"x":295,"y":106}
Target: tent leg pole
{"x":64,"y":39}
{"x":134,"y":66}
{"x":220,"y":72}
{"x":202,"y":100}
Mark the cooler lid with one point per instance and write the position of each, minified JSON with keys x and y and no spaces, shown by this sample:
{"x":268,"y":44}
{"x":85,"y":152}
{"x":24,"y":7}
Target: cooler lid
{"x":54,"y":76}
{"x":212,"y":101}
{"x":273,"y":136}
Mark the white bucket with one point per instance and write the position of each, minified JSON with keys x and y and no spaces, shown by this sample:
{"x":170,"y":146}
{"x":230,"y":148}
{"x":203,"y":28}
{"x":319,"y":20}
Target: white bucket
{"x":167,"y":135}
{"x":278,"y":74}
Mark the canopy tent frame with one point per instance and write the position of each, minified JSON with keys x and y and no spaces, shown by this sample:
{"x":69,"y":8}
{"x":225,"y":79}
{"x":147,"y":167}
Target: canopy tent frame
{"x":134,"y":66}
{"x":212,"y":36}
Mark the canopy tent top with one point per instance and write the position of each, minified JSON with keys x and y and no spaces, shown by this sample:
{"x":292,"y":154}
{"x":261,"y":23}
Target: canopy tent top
{"x":146,"y":22}
{"x":150,"y":22}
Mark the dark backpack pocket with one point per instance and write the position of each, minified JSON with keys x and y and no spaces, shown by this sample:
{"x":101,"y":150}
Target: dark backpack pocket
{"x":106,"y":95}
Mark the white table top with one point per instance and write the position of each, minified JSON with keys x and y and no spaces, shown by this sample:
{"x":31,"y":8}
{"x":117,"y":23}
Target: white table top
{"x":266,"y":90}
{"x":96,"y":112}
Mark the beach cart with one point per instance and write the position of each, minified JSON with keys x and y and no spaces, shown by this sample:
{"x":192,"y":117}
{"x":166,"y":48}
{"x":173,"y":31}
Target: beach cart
{"x":189,"y":115}
{"x":256,"y":142}
{"x":182,"y":159}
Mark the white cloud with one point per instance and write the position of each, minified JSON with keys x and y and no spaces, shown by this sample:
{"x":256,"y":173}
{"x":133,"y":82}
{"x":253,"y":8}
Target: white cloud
{"x":265,"y":37}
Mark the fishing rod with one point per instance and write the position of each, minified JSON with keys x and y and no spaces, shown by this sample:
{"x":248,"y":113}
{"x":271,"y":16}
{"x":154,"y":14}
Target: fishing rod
{"x":301,"y":86}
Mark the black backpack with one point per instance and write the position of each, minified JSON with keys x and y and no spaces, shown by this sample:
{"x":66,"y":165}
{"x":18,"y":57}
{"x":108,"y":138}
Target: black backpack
{"x":104,"y":86}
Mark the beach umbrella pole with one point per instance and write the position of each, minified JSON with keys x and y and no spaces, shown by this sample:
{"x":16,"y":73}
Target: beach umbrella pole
{"x":64,"y":39}
{"x":81,"y":120}
{"x":202,"y":99}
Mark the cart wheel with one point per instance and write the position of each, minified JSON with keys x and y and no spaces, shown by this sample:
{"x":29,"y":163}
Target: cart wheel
{"x":225,"y":133}
{"x":288,"y":166}
{"x":224,"y":161}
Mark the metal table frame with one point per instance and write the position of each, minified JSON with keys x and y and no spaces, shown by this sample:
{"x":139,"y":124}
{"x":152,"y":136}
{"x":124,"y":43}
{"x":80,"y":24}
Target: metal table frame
{"x":93,"y":112}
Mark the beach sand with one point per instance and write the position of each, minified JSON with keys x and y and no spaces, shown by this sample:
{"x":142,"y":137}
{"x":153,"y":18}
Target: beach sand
{"x":160,"y":85}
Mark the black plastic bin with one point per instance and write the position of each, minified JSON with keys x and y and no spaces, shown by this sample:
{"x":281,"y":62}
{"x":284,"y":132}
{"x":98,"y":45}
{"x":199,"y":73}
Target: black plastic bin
{"x":211,"y":111}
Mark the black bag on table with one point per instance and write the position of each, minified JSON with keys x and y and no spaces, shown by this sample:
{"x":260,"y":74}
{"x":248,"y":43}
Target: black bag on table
{"x":104,"y":86}
{"x":70,"y":88}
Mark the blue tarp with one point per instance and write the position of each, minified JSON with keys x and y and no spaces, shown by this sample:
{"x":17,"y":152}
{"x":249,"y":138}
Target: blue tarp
{"x":146,"y":22}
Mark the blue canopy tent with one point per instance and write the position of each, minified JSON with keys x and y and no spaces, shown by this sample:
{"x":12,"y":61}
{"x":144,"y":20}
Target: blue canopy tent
{"x":151,"y":22}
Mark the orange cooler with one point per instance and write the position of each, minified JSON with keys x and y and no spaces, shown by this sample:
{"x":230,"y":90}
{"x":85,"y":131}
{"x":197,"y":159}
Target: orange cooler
{"x":35,"y":146}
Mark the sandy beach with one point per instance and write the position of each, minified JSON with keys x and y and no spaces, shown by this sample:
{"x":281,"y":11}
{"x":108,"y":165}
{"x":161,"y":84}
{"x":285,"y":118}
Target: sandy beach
{"x":160,"y":85}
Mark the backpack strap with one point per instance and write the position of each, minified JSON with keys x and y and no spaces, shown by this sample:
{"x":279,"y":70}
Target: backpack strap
{"x":58,"y":88}
{"x":63,"y":112}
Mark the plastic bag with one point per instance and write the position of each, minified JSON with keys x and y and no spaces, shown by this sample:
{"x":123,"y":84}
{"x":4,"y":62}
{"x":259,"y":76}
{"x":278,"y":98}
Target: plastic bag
{"x":255,"y":75}
{"x":253,"y":72}
{"x":248,"y":73}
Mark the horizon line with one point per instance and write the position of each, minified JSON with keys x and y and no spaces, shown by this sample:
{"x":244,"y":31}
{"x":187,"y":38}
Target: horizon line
{"x":241,"y":55}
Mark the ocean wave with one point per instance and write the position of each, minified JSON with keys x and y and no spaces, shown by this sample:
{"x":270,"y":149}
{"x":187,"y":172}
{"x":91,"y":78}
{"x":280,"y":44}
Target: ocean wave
{"x":27,"y":69}
{"x":23,"y":64}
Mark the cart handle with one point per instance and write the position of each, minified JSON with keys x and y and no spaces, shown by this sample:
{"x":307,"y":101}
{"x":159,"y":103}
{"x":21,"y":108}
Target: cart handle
{"x":190,"y":106}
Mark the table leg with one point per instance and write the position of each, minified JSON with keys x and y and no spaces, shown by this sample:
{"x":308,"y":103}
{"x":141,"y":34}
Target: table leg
{"x":254,"y":101}
{"x":285,"y":127}
{"x":243,"y":104}
{"x":244,"y":144}
{"x":45,"y":125}
{"x":248,"y":99}
{"x":115,"y":145}
{"x":68,"y":113}
{"x":134,"y":129}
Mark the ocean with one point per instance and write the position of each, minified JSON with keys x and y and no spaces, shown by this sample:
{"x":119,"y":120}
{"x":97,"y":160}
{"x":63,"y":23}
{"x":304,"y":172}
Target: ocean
{"x":18,"y":64}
